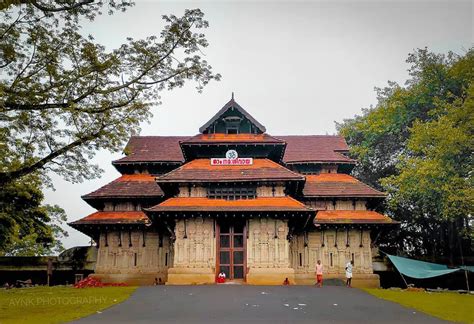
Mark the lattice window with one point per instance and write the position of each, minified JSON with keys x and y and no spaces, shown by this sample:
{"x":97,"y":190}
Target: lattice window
{"x":232,"y":193}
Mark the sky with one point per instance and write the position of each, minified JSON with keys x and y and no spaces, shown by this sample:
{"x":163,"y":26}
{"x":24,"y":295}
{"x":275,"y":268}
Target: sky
{"x":297,"y":67}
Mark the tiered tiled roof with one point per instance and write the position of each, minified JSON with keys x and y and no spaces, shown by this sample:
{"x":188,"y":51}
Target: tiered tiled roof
{"x":201,"y":170}
{"x":130,"y":185}
{"x":337,"y":185}
{"x":299,"y":149}
{"x":351,"y":217}
{"x":233,"y":138}
{"x":207,"y":204}
{"x":153,"y":149}
{"x":115,"y":217}
{"x":315,"y":148}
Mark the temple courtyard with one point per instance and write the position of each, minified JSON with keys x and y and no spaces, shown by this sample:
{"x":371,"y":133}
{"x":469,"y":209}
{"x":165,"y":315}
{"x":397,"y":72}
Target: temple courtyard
{"x":251,"y":304}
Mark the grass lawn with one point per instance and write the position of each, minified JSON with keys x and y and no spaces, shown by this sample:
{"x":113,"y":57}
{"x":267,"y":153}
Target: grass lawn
{"x":57,"y":304}
{"x":448,"y":306}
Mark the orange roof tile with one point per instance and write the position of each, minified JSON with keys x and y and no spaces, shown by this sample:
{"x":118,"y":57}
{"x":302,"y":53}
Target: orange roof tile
{"x":202,"y":170}
{"x":351,"y":216}
{"x":234,"y":138}
{"x":136,"y":177}
{"x":116,"y":217}
{"x":337,"y":185}
{"x":331,"y":177}
{"x":207,"y":204}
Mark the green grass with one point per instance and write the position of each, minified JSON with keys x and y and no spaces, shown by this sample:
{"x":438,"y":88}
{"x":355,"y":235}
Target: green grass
{"x":57,"y":304}
{"x":448,"y":306}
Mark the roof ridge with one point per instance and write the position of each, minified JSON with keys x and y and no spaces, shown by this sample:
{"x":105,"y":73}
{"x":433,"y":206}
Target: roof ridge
{"x":338,"y":152}
{"x":299,"y":202}
{"x":363,"y":183}
{"x":198,"y":164}
{"x":174,"y":170}
{"x":229,"y":104}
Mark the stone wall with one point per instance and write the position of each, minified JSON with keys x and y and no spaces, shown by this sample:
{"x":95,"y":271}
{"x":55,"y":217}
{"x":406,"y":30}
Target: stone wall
{"x":270,"y":256}
{"x":339,"y":204}
{"x":268,"y":249}
{"x":136,"y":261}
{"x":334,"y":250}
{"x":195,"y":252}
{"x":271,"y":191}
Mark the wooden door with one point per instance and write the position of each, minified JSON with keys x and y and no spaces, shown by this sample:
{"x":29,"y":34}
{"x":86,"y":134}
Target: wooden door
{"x":231,"y":244}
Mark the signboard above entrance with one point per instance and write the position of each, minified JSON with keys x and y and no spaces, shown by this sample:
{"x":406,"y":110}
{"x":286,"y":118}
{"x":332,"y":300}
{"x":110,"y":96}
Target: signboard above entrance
{"x":231,"y":158}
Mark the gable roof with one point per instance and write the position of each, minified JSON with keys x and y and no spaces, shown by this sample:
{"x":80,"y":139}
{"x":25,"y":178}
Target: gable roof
{"x":129,"y":185}
{"x":116,"y":217}
{"x":299,"y":148}
{"x":315,"y":148}
{"x":153,"y":149}
{"x":351,"y":217}
{"x":337,"y":185}
{"x":219,"y":138}
{"x":206,"y":204}
{"x":201,"y":170}
{"x":232,"y":104}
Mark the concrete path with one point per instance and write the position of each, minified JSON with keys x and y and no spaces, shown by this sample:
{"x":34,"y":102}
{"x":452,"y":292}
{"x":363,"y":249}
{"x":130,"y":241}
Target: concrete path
{"x":256,"y":304}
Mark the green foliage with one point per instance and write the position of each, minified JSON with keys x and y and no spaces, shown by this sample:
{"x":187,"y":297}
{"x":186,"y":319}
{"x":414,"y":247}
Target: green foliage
{"x":27,"y":227}
{"x":417,"y":144}
{"x":63,"y":96}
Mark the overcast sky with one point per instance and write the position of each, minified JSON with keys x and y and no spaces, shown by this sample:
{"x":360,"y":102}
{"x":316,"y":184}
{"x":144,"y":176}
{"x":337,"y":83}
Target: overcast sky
{"x":297,"y":67}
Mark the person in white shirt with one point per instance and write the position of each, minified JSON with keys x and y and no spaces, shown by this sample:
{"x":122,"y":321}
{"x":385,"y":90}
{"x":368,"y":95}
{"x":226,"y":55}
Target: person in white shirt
{"x":349,"y":266}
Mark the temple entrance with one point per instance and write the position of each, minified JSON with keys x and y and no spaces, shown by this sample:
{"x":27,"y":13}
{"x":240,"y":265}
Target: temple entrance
{"x":231,"y":248}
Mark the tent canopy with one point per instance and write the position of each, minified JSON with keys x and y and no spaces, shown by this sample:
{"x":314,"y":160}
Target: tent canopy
{"x":419,"y":269}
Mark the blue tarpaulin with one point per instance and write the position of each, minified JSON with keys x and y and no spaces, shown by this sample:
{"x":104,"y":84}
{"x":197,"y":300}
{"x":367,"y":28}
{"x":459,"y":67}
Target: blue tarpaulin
{"x":419,"y":269}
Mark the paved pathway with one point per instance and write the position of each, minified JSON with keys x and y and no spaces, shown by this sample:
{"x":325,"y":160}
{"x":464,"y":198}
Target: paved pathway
{"x":256,"y":304}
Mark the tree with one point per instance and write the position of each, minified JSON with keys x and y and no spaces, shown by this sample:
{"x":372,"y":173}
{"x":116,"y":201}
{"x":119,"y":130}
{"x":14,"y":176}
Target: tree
{"x":417,"y":144}
{"x":63,"y":96}
{"x":27,"y":227}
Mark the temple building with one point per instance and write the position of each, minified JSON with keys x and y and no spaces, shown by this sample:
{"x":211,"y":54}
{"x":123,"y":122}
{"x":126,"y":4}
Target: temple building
{"x":259,"y":208}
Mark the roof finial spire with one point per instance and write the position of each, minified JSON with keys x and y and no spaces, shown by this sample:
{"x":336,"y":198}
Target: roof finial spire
{"x":232,"y":95}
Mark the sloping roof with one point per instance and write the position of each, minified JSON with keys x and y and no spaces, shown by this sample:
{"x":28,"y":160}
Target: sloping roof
{"x":129,"y":185}
{"x":232,"y":138}
{"x":153,"y":149}
{"x":207,"y":204}
{"x":351,"y":217}
{"x":337,"y":185}
{"x":315,"y":148}
{"x":201,"y":170}
{"x":115,"y":217}
{"x":235,"y":105}
{"x":299,"y":149}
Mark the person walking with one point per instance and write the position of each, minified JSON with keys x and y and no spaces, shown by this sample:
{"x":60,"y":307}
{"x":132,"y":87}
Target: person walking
{"x":319,"y":274}
{"x":349,"y":267}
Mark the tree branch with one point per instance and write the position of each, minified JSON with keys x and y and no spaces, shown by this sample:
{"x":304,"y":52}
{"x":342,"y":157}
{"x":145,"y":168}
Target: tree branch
{"x":6,"y":177}
{"x":58,"y":9}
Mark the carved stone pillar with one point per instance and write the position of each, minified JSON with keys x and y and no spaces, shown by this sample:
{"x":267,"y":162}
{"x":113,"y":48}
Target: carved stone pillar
{"x":268,"y":252}
{"x":194,"y":252}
